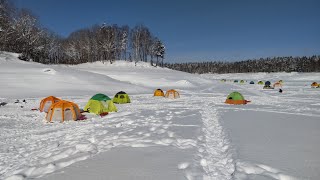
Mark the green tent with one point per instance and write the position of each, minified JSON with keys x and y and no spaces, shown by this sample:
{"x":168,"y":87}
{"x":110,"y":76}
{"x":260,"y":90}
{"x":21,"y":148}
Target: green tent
{"x":235,"y":96}
{"x":242,"y":81}
{"x":100,"y":103}
{"x":121,"y":98}
{"x":260,"y":82}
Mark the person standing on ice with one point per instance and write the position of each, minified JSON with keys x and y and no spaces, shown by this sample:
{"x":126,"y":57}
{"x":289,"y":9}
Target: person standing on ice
{"x":280,"y":90}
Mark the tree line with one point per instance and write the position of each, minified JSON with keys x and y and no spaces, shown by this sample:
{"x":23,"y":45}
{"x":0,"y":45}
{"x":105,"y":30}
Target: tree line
{"x":20,"y":32}
{"x":274,"y":64}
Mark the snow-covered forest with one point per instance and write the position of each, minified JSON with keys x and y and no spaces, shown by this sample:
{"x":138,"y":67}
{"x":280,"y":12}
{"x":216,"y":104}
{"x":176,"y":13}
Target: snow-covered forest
{"x":275,"y":64}
{"x":21,"y":32}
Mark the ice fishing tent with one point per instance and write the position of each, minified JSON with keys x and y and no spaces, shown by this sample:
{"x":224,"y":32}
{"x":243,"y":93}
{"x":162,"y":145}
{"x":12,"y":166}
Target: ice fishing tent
{"x":314,"y":85}
{"x":260,"y":82}
{"x":280,"y":81}
{"x":173,"y":94}
{"x":158,"y":92}
{"x":223,"y":80}
{"x":277,"y":84}
{"x":63,"y":111}
{"x":99,"y":104}
{"x":267,"y":85}
{"x":47,"y":102}
{"x":121,"y":98}
{"x":235,"y":81}
{"x":236,"y":98}
{"x":251,"y":82}
{"x":242,"y":81}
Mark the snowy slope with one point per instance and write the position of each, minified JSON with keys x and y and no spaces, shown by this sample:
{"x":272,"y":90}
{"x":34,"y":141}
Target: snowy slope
{"x":194,"y":137}
{"x":37,"y":80}
{"x":142,"y":74}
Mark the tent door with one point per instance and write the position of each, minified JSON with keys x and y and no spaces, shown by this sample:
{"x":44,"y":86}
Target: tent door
{"x":57,"y":115}
{"x":47,"y":106}
{"x":68,"y":114}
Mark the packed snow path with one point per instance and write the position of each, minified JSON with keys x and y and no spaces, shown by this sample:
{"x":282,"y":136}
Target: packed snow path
{"x":32,"y":148}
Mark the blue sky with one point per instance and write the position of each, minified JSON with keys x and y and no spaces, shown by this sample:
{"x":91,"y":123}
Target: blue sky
{"x":198,"y":30}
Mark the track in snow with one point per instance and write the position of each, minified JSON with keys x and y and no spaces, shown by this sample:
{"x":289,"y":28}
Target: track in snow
{"x":33,"y":148}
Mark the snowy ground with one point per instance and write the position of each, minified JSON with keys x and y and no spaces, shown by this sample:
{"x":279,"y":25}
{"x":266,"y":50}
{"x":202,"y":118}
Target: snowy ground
{"x":276,"y":136}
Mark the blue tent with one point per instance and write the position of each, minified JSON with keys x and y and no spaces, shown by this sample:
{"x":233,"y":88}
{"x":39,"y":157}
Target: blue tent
{"x":267,"y":83}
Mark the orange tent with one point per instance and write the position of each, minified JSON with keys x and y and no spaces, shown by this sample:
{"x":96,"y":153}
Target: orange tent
{"x":173,"y":94}
{"x":47,"y":102}
{"x":158,"y":92}
{"x":277,"y":84}
{"x":314,"y":84}
{"x":63,"y":111}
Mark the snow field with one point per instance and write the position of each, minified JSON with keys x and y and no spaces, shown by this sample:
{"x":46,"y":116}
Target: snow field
{"x":147,"y":122}
{"x":194,"y":137}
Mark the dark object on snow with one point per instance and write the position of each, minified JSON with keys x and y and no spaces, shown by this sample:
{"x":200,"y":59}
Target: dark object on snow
{"x":82,"y":117}
{"x":104,"y":114}
{"x":24,"y":101}
{"x":267,"y":83}
{"x":17,"y":101}
{"x":280,"y":90}
{"x":3,"y":103}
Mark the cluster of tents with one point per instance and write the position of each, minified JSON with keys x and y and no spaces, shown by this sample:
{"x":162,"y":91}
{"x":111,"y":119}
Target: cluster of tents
{"x":100,"y":104}
{"x":172,"y":94}
{"x":267,"y":84}
{"x":62,"y":110}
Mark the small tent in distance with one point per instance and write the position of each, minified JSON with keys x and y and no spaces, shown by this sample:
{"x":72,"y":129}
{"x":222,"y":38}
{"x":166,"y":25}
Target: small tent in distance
{"x":158,"y":92}
{"x":267,"y":85}
{"x":314,"y":85}
{"x":236,"y":98}
{"x":260,"y":83}
{"x":251,"y":82}
{"x":121,"y":98}
{"x":46,"y":103}
{"x":99,"y":104}
{"x":172,"y":94}
{"x":63,"y":111}
{"x":277,"y":85}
